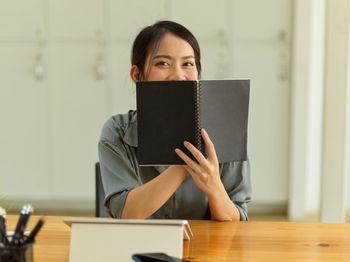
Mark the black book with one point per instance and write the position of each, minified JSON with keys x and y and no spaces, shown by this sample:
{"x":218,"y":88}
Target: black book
{"x":171,"y":112}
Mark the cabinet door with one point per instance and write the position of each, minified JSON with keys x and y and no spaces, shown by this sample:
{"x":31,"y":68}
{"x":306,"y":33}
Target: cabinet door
{"x":77,"y":116}
{"x":24,"y":150}
{"x":78,"y":94}
{"x":123,"y":89}
{"x":203,"y":18}
{"x":251,"y":39}
{"x":126,"y":20}
{"x":76,"y":19}
{"x":209,"y":22}
{"x":262,"y":33}
{"x":21,"y":20}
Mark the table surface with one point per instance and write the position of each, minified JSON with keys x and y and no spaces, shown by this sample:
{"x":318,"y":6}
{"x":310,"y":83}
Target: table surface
{"x":223,"y":241}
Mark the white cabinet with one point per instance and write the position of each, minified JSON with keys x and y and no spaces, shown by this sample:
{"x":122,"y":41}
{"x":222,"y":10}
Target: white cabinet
{"x":50,"y":124}
{"x":24,"y":137}
{"x":24,"y":124}
{"x":203,"y":18}
{"x":78,"y":98}
{"x":76,"y":19}
{"x":261,"y":49}
{"x":20,"y":19}
{"x":77,"y":115}
{"x":209,"y":22}
{"x":251,"y":39}
{"x":127,"y":18}
{"x":123,"y":90}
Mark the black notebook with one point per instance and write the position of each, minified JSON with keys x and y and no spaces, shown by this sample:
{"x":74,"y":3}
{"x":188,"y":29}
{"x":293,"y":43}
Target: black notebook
{"x":171,"y":112}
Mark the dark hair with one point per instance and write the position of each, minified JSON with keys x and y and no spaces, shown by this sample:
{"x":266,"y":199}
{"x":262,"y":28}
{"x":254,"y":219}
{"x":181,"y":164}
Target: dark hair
{"x":148,"y":41}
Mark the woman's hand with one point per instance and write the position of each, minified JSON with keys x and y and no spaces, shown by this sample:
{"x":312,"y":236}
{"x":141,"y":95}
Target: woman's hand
{"x":205,"y":173}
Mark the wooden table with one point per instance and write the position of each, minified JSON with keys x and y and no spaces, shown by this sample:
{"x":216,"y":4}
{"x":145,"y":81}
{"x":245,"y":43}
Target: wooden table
{"x":225,"y":241}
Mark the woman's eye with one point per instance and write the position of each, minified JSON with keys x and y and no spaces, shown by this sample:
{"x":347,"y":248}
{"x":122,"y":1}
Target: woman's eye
{"x":162,"y":63}
{"x":188,"y":64}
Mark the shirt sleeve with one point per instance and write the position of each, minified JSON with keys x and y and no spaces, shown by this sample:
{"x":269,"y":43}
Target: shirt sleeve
{"x":236,"y":179}
{"x":117,"y":170}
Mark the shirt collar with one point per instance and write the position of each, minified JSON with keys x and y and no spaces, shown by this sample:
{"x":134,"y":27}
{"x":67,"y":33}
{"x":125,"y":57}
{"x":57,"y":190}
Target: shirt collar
{"x":130,"y":136}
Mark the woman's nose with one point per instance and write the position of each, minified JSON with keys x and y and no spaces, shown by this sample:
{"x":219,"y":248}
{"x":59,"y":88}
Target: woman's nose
{"x":176,"y":74}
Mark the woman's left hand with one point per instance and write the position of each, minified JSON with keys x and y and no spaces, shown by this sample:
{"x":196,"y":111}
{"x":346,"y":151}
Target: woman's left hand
{"x":205,"y":173}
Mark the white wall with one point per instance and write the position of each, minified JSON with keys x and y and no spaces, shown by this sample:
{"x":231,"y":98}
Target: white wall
{"x":336,"y":149}
{"x":320,"y":121}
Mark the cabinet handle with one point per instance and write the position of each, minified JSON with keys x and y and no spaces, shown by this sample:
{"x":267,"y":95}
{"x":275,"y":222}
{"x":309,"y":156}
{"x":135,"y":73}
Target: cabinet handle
{"x":39,"y":70}
{"x":283,"y":74}
{"x":100,"y":70}
{"x":100,"y":67}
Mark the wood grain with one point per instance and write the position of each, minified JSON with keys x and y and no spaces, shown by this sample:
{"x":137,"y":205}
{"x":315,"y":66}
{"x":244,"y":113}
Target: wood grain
{"x":224,"y":241}
{"x":268,"y":241}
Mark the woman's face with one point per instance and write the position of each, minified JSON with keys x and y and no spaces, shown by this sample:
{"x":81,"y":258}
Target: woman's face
{"x":174,"y":60}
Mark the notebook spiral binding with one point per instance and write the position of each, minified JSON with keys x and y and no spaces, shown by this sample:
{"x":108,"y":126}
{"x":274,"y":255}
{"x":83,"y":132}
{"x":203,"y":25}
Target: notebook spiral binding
{"x":197,"y":116}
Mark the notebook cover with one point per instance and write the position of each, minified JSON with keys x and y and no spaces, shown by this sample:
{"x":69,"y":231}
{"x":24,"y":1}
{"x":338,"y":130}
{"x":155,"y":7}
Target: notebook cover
{"x":166,"y":118}
{"x":224,"y":115}
{"x":168,"y":114}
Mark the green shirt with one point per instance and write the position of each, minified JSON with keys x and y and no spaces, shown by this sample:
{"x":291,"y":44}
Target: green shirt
{"x":121,"y":173}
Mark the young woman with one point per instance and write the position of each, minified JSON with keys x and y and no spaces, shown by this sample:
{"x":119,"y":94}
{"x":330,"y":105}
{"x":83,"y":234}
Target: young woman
{"x":199,"y":190}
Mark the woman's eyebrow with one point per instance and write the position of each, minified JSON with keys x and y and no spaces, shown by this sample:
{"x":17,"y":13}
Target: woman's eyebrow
{"x":188,"y":57}
{"x":169,"y":57}
{"x":162,"y":56}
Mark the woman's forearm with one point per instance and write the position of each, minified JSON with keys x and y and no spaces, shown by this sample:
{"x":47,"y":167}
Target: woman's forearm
{"x":146,"y":199}
{"x":222,"y":208}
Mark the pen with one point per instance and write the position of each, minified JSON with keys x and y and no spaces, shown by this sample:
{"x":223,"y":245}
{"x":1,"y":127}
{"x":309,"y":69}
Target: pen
{"x":3,"y":236}
{"x":4,"y":240}
{"x":35,"y":231}
{"x":1,"y":223}
{"x":27,"y":215}
{"x":21,"y":224}
{"x":16,"y":235}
